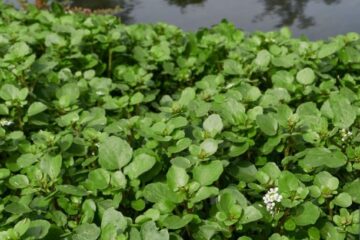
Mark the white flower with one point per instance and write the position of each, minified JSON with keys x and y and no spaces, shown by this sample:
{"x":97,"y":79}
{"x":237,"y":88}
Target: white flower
{"x":4,"y":122}
{"x":345,"y":134}
{"x":271,"y":198}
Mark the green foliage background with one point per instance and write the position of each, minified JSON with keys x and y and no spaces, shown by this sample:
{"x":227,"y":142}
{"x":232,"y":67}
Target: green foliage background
{"x":147,"y":132}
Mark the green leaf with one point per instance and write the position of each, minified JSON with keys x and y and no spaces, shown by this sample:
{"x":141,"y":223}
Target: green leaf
{"x":149,"y":231}
{"x":26,"y":160}
{"x":176,"y":222}
{"x":118,"y":180}
{"x":9,"y":92}
{"x":51,"y":165}
{"x":140,"y":164}
{"x":285,"y":61}
{"x":19,"y":181}
{"x":4,"y":110}
{"x":86,"y":231}
{"x":345,"y":113}
{"x":232,"y":67}
{"x":114,"y":153}
{"x":72,"y":190}
{"x":4,"y":173}
{"x":329,"y":232}
{"x":157,"y":192}
{"x":325,"y":181}
{"x":22,"y":226}
{"x":17,"y":208}
{"x":305,"y":76}
{"x":251,"y":214}
{"x":328,"y":49}
{"x":114,"y":218}
{"x":306,"y":214}
{"x":288,"y":182}
{"x":204,"y":193}
{"x":344,"y":200}
{"x":316,"y":157}
{"x":263,"y":58}
{"x":352,"y":188}
{"x":267,"y":124}
{"x":181,"y":145}
{"x":207,"y":174}
{"x":209,"y":146}
{"x":36,"y":108}
{"x":177,"y":177}
{"x":213,"y":124}
{"x":38,"y":229}
{"x":181,"y":162}
{"x":136,"y":98}
{"x":99,"y":178}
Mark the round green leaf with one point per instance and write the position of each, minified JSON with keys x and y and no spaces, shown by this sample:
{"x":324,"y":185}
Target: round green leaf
{"x":267,"y":124}
{"x":19,"y":181}
{"x":343,"y":200}
{"x":4,"y":173}
{"x":177,"y":177}
{"x":306,"y":214}
{"x":213,"y":124}
{"x":140,"y":164}
{"x":305,"y":76}
{"x":206,"y":174}
{"x":99,"y":178}
{"x":114,"y":153}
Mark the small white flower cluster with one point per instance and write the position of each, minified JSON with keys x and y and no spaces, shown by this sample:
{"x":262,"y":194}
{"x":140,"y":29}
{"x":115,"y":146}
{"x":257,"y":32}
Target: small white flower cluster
{"x":271,"y":198}
{"x":345,"y":134}
{"x":4,"y":122}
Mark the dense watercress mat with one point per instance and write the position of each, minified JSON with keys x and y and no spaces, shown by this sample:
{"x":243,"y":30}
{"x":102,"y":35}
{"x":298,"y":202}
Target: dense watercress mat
{"x":146,"y":132}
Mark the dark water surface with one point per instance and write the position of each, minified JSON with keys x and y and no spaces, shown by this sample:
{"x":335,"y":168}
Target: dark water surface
{"x":314,"y":18}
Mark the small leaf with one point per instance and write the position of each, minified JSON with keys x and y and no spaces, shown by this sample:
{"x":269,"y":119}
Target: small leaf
{"x":353,"y":189}
{"x":99,"y":178}
{"x":86,"y":231}
{"x":343,"y":200}
{"x":176,"y":222}
{"x":38,"y":229}
{"x":177,"y":177}
{"x":113,"y":217}
{"x":306,"y":214}
{"x":51,"y":165}
{"x":140,"y":164}
{"x":36,"y":108}
{"x":114,"y":153}
{"x":305,"y":76}
{"x":263,"y":58}
{"x":17,"y":208}
{"x":232,"y":67}
{"x":206,"y":174}
{"x":4,"y":173}
{"x":213,"y":124}
{"x":327,"y":50}
{"x":157,"y":192}
{"x":267,"y":124}
{"x":251,"y":214}
{"x":19,"y":181}
{"x":209,"y":146}
{"x":316,"y":157}
{"x":149,"y":231}
{"x":71,"y":190}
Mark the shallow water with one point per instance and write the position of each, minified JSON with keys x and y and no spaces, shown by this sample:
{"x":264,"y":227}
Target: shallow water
{"x":316,"y":19}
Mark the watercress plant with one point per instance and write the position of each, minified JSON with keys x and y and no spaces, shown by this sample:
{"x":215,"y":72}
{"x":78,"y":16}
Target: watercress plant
{"x":143,"y":132}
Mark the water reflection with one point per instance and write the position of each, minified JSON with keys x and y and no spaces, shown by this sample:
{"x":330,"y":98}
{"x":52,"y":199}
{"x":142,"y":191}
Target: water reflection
{"x":184,"y":3}
{"x":290,"y":12}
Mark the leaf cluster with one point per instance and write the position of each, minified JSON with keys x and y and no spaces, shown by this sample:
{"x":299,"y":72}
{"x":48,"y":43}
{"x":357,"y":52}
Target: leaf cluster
{"x":145,"y":132}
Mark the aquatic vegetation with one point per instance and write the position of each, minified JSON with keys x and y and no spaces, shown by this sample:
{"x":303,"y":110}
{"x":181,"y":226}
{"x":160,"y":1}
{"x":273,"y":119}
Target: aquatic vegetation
{"x":111,"y":131}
